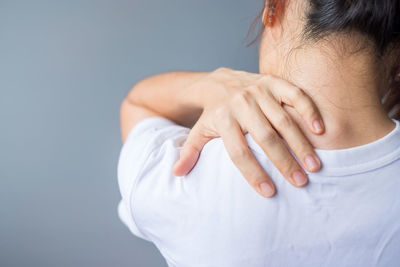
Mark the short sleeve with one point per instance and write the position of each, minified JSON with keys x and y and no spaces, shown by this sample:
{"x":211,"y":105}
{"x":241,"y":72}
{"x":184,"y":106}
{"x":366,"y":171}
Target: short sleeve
{"x":182,"y":216}
{"x":150,"y":137}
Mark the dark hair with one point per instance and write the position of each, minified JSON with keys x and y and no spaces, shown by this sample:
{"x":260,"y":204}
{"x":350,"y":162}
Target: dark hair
{"x":379,"y":20}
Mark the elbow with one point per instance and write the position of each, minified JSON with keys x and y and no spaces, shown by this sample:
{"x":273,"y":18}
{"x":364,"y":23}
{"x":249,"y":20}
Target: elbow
{"x":126,"y":114}
{"x":128,"y":102}
{"x":131,"y":112}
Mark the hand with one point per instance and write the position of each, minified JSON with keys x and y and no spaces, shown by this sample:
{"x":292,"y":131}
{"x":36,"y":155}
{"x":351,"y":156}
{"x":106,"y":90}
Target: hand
{"x":237,"y":102}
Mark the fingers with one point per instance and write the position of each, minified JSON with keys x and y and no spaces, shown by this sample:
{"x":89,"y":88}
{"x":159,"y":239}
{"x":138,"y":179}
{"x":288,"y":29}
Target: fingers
{"x":239,"y":152}
{"x":291,"y":133}
{"x":190,"y":152}
{"x":267,"y":138}
{"x":293,"y":96}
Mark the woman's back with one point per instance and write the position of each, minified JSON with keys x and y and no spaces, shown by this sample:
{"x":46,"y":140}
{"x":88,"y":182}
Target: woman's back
{"x":343,"y":54}
{"x":346,"y":216}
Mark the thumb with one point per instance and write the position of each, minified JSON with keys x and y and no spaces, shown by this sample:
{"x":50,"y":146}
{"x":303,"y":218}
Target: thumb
{"x":190,"y":152}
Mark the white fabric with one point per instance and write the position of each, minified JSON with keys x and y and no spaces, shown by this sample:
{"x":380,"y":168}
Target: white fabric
{"x":348,"y":215}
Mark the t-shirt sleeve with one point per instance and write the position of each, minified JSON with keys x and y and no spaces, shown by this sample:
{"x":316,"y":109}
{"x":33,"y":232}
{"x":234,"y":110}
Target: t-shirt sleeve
{"x":145,"y":171}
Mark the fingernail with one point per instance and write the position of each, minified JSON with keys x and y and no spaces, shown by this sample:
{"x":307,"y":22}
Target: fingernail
{"x":266,"y":190}
{"x":317,"y":124}
{"x":311,"y":163}
{"x":299,"y":178}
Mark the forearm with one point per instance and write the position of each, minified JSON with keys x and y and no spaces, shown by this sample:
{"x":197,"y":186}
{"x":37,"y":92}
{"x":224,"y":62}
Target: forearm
{"x":168,"y":95}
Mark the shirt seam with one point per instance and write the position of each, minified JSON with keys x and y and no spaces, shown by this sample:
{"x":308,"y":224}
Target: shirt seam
{"x":339,"y":174}
{"x":133,"y":189}
{"x":146,"y":124}
{"x":363,"y":167}
{"x":350,"y":170}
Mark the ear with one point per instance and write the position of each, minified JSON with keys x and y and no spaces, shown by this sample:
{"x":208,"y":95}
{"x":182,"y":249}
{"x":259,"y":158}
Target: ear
{"x":264,"y":16}
{"x":272,"y":11}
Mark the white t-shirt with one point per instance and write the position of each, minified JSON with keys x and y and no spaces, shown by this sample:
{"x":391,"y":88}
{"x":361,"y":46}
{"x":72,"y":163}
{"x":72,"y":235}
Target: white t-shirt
{"x":348,"y":215}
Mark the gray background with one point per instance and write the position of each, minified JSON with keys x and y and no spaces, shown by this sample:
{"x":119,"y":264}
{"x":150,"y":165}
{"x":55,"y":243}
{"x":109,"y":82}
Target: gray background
{"x":65,"y":66}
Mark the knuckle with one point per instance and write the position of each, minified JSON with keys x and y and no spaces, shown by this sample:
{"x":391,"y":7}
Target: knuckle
{"x":268,"y":137}
{"x":241,"y":72}
{"x":255,"y":89}
{"x":297,"y":93}
{"x":305,"y":147}
{"x":241,"y":98}
{"x":284,"y":121}
{"x":311,"y":112}
{"x":239,"y":153}
{"x":265,"y":78}
{"x":287,"y":171}
{"x":222,"y":69}
{"x":287,"y":168}
{"x":306,"y":107}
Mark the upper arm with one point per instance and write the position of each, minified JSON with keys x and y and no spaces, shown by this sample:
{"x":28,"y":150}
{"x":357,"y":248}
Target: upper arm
{"x":145,"y":168}
{"x":172,"y":211}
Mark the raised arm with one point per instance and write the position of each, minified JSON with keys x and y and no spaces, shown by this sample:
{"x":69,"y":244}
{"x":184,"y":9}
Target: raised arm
{"x":228,"y":103}
{"x":161,"y":95}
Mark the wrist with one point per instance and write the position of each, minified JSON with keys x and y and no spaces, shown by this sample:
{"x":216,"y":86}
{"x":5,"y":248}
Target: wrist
{"x":195,"y":95}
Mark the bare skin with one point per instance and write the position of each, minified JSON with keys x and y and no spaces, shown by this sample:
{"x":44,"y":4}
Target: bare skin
{"x":227,"y":103}
{"x":344,"y":86}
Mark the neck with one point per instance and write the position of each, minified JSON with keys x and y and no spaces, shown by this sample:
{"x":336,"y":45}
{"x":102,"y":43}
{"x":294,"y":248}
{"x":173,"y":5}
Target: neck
{"x":347,"y":95}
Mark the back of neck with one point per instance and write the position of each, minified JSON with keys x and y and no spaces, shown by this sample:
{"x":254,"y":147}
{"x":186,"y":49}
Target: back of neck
{"x":346,"y":91}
